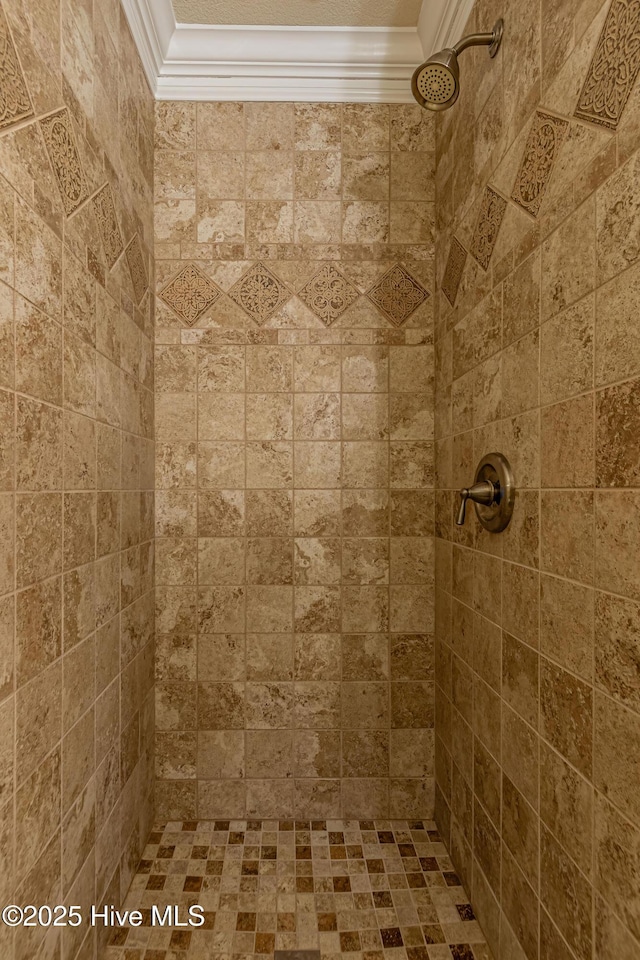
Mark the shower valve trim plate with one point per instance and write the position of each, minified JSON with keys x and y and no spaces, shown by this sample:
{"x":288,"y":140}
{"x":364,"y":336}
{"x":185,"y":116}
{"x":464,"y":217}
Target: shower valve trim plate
{"x":493,"y":494}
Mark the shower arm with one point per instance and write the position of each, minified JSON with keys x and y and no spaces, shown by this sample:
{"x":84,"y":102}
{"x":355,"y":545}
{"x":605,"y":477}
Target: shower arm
{"x":491,"y":40}
{"x":473,"y":40}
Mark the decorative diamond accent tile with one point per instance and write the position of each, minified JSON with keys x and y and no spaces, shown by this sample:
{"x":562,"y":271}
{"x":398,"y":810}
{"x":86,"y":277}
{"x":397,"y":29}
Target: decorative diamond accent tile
{"x":15,"y":102}
{"x":486,"y":231}
{"x":259,"y":293}
{"x":540,"y":154}
{"x":614,"y":66}
{"x":105,"y":211}
{"x":137,"y":268}
{"x":190,"y":294}
{"x":328,"y":294}
{"x":63,"y":152}
{"x":453,"y":270}
{"x":397,"y":295}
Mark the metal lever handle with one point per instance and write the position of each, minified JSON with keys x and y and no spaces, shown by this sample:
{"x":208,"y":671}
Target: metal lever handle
{"x":483,"y":492}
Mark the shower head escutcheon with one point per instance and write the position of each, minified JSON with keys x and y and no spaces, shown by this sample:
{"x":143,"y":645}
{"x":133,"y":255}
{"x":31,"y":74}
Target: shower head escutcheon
{"x":436,"y":83}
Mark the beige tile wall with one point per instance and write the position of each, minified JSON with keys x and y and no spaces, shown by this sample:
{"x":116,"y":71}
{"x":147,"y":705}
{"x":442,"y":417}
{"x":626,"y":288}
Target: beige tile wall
{"x":76,"y":463}
{"x":294,"y":467}
{"x":537,"y":649}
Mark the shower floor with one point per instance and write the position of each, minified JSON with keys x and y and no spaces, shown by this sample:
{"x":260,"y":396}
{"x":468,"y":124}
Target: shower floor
{"x":376,"y":890}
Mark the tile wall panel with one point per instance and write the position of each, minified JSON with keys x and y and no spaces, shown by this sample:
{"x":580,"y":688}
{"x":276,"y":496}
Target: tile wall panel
{"x":536,"y":353}
{"x":294,"y":461}
{"x":76,"y":463}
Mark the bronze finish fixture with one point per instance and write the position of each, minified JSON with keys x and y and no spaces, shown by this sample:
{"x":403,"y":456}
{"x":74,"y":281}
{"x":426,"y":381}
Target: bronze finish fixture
{"x":493,"y":493}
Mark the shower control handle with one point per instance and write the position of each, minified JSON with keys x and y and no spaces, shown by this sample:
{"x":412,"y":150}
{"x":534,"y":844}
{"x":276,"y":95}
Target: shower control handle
{"x":484,"y":492}
{"x":493,"y":494}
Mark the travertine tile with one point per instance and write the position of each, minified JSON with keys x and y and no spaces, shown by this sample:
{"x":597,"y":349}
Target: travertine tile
{"x":616,"y":432}
{"x":566,"y":806}
{"x":18,"y":104}
{"x":595,"y":103}
{"x":137,"y":268}
{"x":366,"y":176}
{"x":318,"y":175}
{"x":570,"y":336}
{"x":573,"y":915}
{"x":259,"y":293}
{"x":268,"y":126}
{"x":567,"y":446}
{"x":59,"y":285}
{"x":60,"y":140}
{"x":219,"y":221}
{"x":617,"y":356}
{"x":520,"y":684}
{"x":328,"y":450}
{"x":220,"y":122}
{"x":41,"y":282}
{"x":220,"y":174}
{"x":568,"y":262}
{"x":567,"y":624}
{"x":190,"y":294}
{"x":567,"y":715}
{"x":289,"y":403}
{"x":110,"y":234}
{"x":615,"y":660}
{"x":317,"y":126}
{"x":412,"y":175}
{"x":616,"y":524}
{"x":454,"y":270}
{"x":541,"y":151}
{"x":566,"y":534}
{"x":328,"y":294}
{"x":544,"y":271}
{"x":398,"y":295}
{"x":486,"y":230}
{"x":365,"y":221}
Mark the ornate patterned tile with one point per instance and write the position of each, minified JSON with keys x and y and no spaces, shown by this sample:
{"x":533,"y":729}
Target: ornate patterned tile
{"x":63,"y":152}
{"x":614,"y":67}
{"x":540,"y":154}
{"x":486,"y":231}
{"x":15,"y":102}
{"x":453,"y":270}
{"x":328,"y":294}
{"x":190,"y":294}
{"x":137,"y":268}
{"x":397,"y":295}
{"x":105,"y":211}
{"x":259,"y":293}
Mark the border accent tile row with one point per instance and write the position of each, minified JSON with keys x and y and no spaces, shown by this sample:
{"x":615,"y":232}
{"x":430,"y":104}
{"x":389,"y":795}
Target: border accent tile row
{"x":328,"y":294}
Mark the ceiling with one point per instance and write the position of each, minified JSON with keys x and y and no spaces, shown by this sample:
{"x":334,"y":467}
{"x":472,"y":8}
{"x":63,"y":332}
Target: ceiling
{"x":298,"y":13}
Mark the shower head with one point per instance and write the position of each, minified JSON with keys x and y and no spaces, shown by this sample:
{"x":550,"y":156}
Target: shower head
{"x":436,"y":83}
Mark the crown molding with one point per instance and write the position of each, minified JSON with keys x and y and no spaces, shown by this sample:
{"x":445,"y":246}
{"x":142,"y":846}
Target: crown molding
{"x":442,"y":22}
{"x":332,"y":64}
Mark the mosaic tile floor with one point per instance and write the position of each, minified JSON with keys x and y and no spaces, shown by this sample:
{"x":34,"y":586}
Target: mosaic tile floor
{"x":371,"y":890}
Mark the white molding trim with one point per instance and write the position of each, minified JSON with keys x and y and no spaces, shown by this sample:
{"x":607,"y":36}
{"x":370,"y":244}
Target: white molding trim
{"x":442,"y":23}
{"x":335,"y":64}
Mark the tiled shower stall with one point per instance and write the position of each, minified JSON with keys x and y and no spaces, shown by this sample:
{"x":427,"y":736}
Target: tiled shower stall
{"x":249,"y":353}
